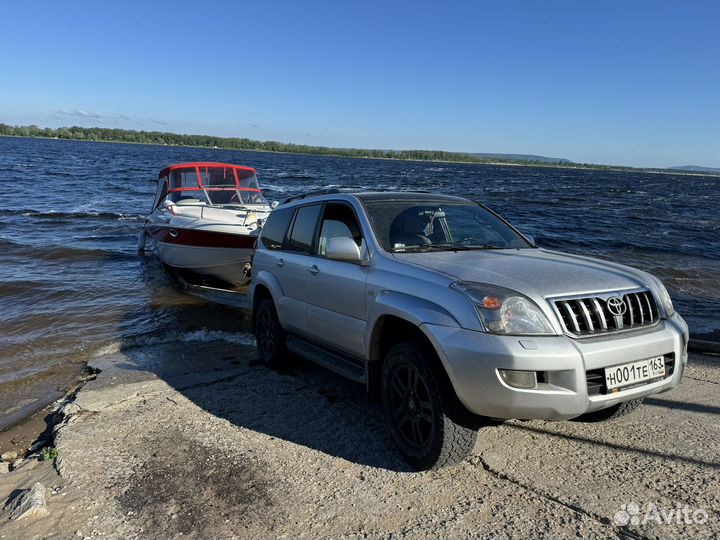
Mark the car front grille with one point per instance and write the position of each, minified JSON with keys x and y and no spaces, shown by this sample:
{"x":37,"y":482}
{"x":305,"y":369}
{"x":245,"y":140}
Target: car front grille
{"x":609,"y":312}
{"x":595,"y":378}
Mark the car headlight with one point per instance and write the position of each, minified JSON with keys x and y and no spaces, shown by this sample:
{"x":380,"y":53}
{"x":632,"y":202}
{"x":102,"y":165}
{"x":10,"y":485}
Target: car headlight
{"x":504,"y":311}
{"x":665,"y":298}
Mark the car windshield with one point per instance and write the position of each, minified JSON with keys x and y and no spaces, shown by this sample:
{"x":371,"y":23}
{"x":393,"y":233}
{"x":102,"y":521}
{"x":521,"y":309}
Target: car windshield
{"x":407,"y":226}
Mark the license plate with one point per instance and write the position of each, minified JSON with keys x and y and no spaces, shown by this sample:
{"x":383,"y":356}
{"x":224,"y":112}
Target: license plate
{"x":634,"y":372}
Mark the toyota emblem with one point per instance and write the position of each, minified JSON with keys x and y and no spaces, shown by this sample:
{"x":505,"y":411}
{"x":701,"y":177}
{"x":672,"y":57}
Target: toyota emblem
{"x":616,"y":306}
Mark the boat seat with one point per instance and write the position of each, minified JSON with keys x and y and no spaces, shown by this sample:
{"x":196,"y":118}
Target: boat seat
{"x":188,"y":201}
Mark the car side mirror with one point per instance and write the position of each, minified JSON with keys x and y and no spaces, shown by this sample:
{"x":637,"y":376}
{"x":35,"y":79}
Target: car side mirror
{"x":342,"y":249}
{"x":274,"y":204}
{"x":531,"y":238}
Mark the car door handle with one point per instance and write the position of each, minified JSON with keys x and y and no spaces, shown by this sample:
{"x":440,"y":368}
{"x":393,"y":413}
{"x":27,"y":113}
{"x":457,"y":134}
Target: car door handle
{"x":313,"y":269}
{"x":280,"y":263}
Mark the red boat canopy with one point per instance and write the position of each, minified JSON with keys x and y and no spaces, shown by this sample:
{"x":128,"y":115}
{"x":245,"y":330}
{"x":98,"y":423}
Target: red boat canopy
{"x":209,"y":176}
{"x":195,"y":164}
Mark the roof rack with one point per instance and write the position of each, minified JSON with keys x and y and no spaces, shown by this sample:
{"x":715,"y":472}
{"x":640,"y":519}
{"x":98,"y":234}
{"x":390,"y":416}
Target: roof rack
{"x":310,"y":194}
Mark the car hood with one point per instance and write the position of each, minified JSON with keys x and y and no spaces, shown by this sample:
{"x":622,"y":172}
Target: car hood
{"x":535,"y":272}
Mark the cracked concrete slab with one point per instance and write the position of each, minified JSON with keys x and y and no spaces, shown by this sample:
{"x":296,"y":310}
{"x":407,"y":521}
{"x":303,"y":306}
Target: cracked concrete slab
{"x":180,"y":441}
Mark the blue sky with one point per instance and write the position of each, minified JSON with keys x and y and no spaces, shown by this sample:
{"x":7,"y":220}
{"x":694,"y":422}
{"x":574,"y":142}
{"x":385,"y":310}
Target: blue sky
{"x":630,"y":82}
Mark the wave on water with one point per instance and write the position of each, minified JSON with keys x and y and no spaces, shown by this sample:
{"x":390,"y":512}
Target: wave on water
{"x":196,"y":336}
{"x":16,"y":166}
{"x":276,"y":188}
{"x":5,"y":243}
{"x":58,"y":253}
{"x":55,"y":215}
{"x":21,"y":287}
{"x":117,"y":216}
{"x":296,"y":176}
{"x":568,"y":243}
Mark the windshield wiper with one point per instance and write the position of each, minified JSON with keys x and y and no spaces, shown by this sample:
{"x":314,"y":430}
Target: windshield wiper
{"x":432,"y":247}
{"x":486,"y":246}
{"x":450,"y":246}
{"x":453,"y":246}
{"x":446,"y":246}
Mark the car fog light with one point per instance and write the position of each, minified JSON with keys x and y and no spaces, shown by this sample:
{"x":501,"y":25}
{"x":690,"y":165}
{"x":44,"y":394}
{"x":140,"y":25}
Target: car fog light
{"x":518,"y":379}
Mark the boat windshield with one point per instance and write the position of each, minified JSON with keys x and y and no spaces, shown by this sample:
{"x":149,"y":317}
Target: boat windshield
{"x":219,"y":197}
{"x":216,"y":186}
{"x":218,"y":177}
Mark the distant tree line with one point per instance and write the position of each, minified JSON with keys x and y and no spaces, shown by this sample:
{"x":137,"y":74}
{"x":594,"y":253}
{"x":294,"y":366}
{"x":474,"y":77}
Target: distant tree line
{"x":236,"y":143}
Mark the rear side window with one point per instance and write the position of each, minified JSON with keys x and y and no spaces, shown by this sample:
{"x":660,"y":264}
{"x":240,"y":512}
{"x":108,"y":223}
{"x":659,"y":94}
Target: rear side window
{"x":303,"y":231}
{"x":273,"y":232}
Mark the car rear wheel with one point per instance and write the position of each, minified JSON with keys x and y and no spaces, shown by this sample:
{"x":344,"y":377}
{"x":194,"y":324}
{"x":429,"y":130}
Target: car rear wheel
{"x":269,"y":335}
{"x":611,"y":413}
{"x":427,"y":423}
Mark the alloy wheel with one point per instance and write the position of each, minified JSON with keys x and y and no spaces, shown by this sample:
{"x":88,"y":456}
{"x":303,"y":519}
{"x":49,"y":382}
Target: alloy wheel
{"x":412,"y":408}
{"x":266,"y":333}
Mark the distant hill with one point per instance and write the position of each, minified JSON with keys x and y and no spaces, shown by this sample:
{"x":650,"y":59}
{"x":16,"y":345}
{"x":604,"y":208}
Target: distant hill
{"x":521,"y":157}
{"x":696,"y":168}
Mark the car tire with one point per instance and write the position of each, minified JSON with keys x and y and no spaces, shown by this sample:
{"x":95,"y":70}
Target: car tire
{"x":427,"y":422}
{"x":611,"y":413}
{"x":269,"y":335}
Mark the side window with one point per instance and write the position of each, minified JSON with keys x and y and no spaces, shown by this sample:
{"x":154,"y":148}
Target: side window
{"x":161,"y":192}
{"x":303,"y":229}
{"x":338,"y":221}
{"x":184,"y":178}
{"x":273,"y":232}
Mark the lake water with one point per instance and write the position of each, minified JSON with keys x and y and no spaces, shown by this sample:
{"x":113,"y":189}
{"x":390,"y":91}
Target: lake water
{"x":73,"y":285}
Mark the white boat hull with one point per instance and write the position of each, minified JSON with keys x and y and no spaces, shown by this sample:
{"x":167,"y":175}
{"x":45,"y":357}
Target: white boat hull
{"x":227,"y":264}
{"x":215,"y":251}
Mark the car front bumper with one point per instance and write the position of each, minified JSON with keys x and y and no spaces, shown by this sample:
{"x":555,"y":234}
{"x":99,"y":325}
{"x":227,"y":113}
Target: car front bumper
{"x":473,"y":360}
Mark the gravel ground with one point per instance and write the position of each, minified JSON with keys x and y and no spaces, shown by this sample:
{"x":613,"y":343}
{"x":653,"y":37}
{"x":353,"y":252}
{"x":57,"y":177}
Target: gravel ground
{"x":198,"y":440}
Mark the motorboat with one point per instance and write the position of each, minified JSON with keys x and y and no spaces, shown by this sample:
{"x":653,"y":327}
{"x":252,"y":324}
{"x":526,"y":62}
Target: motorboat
{"x":204,"y":222}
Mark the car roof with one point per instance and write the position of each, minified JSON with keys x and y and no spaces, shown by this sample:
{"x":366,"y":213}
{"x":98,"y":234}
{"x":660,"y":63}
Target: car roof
{"x":368,"y":196}
{"x":375,"y":196}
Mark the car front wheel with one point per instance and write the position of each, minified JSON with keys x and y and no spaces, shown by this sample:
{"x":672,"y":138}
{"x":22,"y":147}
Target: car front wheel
{"x":427,"y":423}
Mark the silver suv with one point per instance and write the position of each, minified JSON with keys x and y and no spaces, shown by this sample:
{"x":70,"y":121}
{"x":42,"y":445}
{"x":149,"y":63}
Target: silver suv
{"x":453,"y":317}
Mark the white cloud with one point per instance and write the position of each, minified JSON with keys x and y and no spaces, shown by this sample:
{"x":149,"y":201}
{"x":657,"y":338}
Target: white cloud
{"x":117,"y":120}
{"x":79,"y":113}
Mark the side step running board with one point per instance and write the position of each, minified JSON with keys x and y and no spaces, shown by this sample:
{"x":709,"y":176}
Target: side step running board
{"x":342,"y":364}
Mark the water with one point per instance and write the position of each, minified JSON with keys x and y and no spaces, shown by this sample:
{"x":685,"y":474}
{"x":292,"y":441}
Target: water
{"x":73,"y":284}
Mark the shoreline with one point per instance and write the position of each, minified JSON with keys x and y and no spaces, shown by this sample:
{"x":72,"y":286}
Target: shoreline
{"x":571,"y":166}
{"x":29,"y":429}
